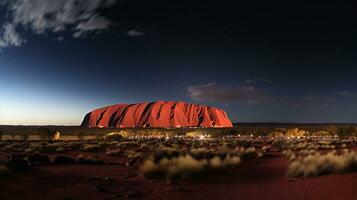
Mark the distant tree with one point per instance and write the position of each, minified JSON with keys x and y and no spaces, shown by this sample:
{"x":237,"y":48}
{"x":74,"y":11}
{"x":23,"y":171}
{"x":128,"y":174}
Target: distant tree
{"x":346,"y":131}
{"x":332,"y":129}
{"x":46,"y":133}
{"x":260,"y":132}
{"x":25,"y":136}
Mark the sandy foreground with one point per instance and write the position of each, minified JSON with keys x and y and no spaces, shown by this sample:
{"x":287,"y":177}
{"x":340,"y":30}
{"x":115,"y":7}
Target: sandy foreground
{"x":262,"y":178}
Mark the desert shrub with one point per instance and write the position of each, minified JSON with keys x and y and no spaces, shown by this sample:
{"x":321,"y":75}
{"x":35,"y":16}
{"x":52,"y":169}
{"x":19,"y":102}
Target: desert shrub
{"x":89,"y":160}
{"x":316,"y":164}
{"x":80,"y":135}
{"x":266,"y":148}
{"x":116,"y":135}
{"x":151,"y":169}
{"x":133,"y":157}
{"x":57,"y":135}
{"x":53,"y":147}
{"x":185,"y":166}
{"x":90,"y":147}
{"x":113,"y":152}
{"x":289,"y":154}
{"x":73,"y":145}
{"x":203,"y":153}
{"x":250,"y":150}
{"x":15,"y":147}
{"x":3,"y":170}
{"x":196,"y":133}
{"x":125,"y":144}
{"x":181,"y":167}
{"x":25,"y":136}
{"x":260,"y":132}
{"x":346,"y":131}
{"x":145,"y":147}
{"x":34,"y":147}
{"x":45,"y":133}
{"x":276,"y":134}
{"x":321,"y":133}
{"x":295,"y":132}
{"x":165,"y":152}
{"x":1,"y":133}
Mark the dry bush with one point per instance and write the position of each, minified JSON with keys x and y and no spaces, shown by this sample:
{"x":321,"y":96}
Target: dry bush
{"x":3,"y":170}
{"x":295,"y":132}
{"x":266,"y":148}
{"x":128,"y":144}
{"x":34,"y":148}
{"x":116,"y":135}
{"x":180,"y":167}
{"x":321,"y":133}
{"x":204,"y":153}
{"x":89,"y":160}
{"x":315,"y":164}
{"x":289,"y":154}
{"x":276,"y":134}
{"x":250,"y":150}
{"x":15,"y":147}
{"x":53,"y":147}
{"x":46,"y":133}
{"x":73,"y":145}
{"x":167,"y":152}
{"x":113,"y":152}
{"x":90,"y":147}
{"x":185,"y":166}
{"x":196,"y":133}
{"x":57,"y":136}
{"x":133,"y":157}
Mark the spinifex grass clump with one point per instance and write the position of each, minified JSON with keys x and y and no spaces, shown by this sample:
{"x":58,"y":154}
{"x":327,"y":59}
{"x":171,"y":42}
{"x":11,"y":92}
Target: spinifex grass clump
{"x":185,"y":166}
{"x":312,"y":165}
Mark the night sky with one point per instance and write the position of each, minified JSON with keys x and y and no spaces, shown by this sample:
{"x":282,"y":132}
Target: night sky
{"x":261,"y":61}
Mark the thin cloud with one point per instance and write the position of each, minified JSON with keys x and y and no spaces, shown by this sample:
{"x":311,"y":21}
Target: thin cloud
{"x":10,"y":37}
{"x":39,"y":16}
{"x":317,"y":99}
{"x":347,"y":94}
{"x":134,"y":33}
{"x":264,"y":80}
{"x":213,"y":92}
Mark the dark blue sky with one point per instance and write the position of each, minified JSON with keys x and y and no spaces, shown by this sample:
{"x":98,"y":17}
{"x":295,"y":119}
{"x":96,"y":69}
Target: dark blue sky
{"x":283,"y":61}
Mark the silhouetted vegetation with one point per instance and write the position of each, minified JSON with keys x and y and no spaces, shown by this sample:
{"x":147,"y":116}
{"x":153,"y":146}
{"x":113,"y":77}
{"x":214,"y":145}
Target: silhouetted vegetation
{"x":45,"y":133}
{"x":346,"y":131}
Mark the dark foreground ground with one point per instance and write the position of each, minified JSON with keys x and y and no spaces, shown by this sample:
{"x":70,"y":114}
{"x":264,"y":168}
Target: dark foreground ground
{"x":262,"y":178}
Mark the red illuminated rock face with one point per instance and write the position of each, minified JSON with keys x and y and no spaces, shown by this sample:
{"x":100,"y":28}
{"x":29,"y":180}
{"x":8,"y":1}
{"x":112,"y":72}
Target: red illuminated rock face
{"x":157,"y":114}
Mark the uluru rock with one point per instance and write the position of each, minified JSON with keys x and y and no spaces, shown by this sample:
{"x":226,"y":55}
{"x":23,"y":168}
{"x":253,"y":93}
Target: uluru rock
{"x":166,"y":114}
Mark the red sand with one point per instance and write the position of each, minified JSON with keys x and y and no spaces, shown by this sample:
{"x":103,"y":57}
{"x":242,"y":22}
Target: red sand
{"x":157,"y":114}
{"x":262,"y":178}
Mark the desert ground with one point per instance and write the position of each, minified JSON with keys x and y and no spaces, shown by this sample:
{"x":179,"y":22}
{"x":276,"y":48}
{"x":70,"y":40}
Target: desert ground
{"x":285,"y":163}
